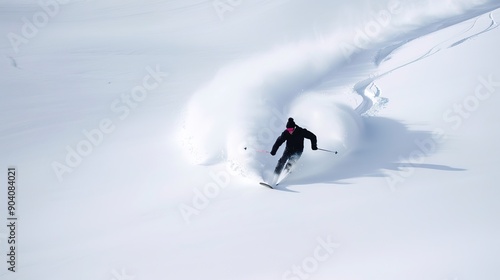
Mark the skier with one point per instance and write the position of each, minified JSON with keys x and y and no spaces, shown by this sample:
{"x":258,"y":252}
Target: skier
{"x":294,"y":136}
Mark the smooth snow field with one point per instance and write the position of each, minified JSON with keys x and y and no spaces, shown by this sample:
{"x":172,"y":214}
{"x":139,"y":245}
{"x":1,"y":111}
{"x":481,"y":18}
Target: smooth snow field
{"x":134,"y":135}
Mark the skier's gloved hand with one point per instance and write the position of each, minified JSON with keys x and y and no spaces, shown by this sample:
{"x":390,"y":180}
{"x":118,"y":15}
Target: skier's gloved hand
{"x":314,"y":148}
{"x":273,"y":153}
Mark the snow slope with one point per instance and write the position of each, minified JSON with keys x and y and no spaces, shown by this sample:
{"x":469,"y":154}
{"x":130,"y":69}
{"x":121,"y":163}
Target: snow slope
{"x":127,"y":123}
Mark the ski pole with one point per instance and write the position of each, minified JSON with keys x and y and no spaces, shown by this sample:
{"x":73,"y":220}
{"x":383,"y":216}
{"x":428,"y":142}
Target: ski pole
{"x":335,"y":152}
{"x":258,"y":151}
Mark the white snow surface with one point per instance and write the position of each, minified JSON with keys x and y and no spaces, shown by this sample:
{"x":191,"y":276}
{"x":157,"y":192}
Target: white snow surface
{"x":139,"y":132}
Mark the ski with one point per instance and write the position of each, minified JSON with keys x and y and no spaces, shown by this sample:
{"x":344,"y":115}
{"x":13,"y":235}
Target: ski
{"x":283,"y":177}
{"x":266,"y":185}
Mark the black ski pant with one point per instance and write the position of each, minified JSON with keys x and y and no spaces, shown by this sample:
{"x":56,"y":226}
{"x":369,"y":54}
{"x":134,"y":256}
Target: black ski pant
{"x":290,"y":156}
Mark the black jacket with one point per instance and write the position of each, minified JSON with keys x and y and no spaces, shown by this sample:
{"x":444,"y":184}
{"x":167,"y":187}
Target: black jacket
{"x":295,"y":141}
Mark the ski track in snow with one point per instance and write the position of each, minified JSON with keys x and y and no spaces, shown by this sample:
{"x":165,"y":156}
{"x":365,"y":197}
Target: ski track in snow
{"x":117,"y":215}
{"x":281,"y":84}
{"x":454,"y":41}
{"x":371,"y":94}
